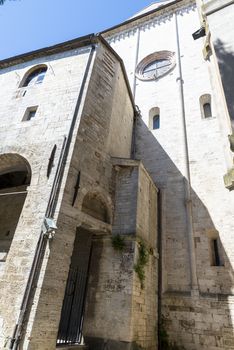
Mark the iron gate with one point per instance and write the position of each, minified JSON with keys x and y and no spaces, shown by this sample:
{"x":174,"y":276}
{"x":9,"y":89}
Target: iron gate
{"x":70,"y":327}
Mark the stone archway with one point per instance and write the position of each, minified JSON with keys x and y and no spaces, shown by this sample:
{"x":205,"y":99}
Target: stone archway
{"x":15,"y":177}
{"x":94,"y":205}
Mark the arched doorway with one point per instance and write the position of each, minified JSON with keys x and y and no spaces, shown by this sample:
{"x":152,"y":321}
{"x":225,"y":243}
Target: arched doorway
{"x":15,"y":177}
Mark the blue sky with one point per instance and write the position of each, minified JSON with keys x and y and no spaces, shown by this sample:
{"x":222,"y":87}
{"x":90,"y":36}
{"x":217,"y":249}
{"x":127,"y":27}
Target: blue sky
{"x":27,"y":25}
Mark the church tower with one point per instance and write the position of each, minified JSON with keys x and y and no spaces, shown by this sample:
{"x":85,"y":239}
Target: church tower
{"x":116,"y":187}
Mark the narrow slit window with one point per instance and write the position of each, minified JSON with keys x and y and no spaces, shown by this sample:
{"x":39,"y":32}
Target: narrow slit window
{"x":215,"y":250}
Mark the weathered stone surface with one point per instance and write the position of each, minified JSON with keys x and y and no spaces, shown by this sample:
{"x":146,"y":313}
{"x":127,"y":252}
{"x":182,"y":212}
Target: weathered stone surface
{"x":103,"y":191}
{"x":163,"y":154}
{"x":104,"y":110}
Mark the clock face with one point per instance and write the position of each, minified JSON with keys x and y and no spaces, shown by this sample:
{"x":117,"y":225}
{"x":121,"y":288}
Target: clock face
{"x":155,"y":65}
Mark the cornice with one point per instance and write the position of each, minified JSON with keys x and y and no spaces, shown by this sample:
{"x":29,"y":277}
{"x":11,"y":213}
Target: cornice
{"x":148,"y":21}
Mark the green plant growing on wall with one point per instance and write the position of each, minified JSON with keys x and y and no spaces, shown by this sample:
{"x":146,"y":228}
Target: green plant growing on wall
{"x":139,"y":267}
{"x":118,"y":242}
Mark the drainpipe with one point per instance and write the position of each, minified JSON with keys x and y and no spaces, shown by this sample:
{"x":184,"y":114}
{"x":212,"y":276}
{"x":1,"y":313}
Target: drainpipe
{"x":137,"y":113}
{"x":43,"y":239}
{"x":159,"y":246}
{"x":187,"y":180}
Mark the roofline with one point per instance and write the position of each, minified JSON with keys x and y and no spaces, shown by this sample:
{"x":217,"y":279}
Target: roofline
{"x":86,"y":40}
{"x":77,"y":42}
{"x":50,"y":50}
{"x":74,"y":43}
{"x":83,"y":41}
{"x":130,"y":20}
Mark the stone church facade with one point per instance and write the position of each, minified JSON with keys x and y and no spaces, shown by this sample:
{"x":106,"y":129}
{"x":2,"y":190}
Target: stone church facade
{"x":116,"y":186}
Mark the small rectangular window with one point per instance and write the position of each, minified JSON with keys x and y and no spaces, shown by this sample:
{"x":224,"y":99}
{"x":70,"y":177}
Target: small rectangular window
{"x":30,"y":113}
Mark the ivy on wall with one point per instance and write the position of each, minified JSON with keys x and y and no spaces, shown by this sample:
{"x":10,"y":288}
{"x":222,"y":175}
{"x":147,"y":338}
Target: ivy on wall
{"x":143,"y":258}
{"x":118,"y":243}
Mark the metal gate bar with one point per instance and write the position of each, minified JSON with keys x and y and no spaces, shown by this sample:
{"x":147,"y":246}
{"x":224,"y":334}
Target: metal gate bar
{"x":70,"y":327}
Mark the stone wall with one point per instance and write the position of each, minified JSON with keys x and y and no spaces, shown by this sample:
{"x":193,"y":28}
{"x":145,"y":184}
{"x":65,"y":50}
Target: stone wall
{"x":135,"y":221}
{"x":196,"y":319}
{"x":108,"y":311}
{"x":34,"y":140}
{"x":126,"y":200}
{"x":220,"y":50}
{"x":202,"y":322}
{"x":163,"y":154}
{"x":145,"y":302}
{"x":105,"y":97}
{"x":223,"y":45}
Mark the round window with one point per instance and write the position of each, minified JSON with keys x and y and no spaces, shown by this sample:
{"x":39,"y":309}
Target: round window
{"x":155,"y":65}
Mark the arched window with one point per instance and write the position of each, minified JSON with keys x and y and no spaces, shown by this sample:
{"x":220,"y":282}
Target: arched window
{"x":34,"y":76}
{"x":154,"y":118}
{"x":15,"y":176}
{"x":156,"y":121}
{"x":207,"y":110}
{"x":205,"y":105}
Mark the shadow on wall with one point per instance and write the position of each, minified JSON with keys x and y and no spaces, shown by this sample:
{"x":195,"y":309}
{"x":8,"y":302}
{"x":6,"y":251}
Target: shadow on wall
{"x":226,"y":67}
{"x":205,"y":321}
